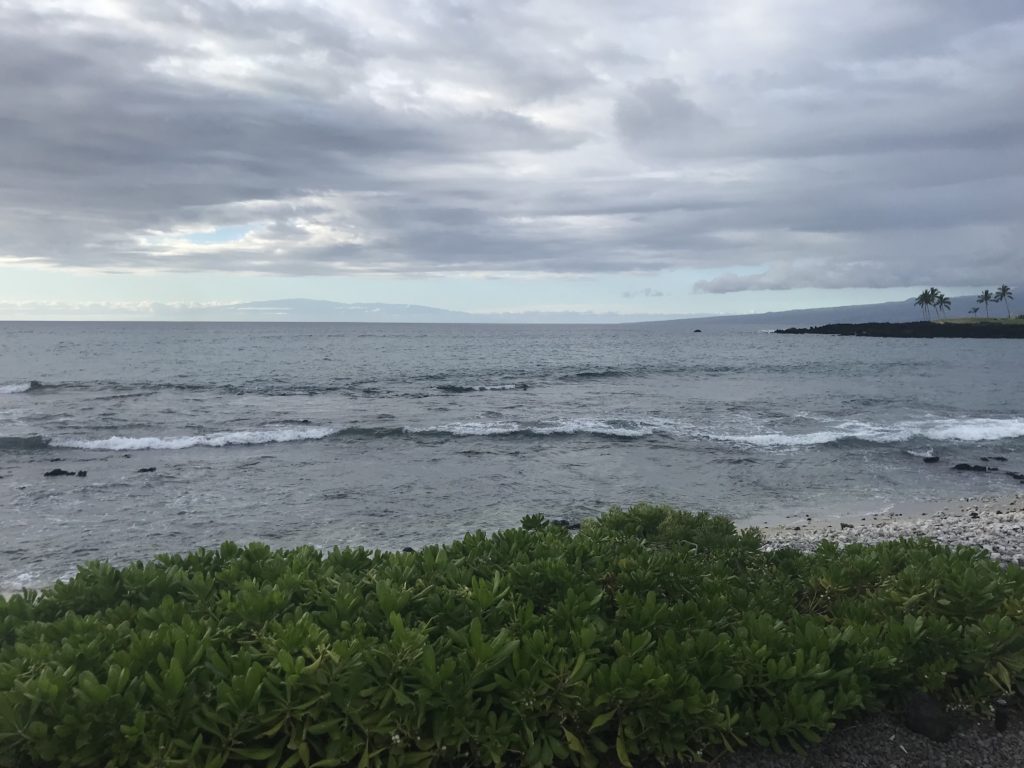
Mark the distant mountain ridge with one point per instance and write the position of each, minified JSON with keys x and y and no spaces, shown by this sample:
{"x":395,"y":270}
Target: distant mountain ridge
{"x":318,"y":311}
{"x":885,"y":312}
{"x":323,"y":311}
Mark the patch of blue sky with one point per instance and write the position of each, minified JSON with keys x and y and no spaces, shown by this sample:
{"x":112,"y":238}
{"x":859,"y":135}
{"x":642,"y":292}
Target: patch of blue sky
{"x":220,"y":235}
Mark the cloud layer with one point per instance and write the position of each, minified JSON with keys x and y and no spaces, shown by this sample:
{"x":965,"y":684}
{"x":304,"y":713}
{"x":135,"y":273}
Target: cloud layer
{"x":774,"y":144}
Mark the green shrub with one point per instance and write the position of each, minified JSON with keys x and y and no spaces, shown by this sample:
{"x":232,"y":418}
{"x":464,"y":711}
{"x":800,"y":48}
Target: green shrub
{"x":650,"y":635}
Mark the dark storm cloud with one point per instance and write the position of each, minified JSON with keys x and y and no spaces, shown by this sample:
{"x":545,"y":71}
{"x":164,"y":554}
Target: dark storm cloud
{"x":780,"y":145}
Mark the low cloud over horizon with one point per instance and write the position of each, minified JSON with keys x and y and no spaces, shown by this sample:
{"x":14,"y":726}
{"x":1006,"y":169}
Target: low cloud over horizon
{"x":768,"y":145}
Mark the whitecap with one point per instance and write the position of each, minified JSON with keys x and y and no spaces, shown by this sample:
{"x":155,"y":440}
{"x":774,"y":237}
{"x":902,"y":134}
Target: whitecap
{"x":962,"y":430}
{"x":213,"y":440}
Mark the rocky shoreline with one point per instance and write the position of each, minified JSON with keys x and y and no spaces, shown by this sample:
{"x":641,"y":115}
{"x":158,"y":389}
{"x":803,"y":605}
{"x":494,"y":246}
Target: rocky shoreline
{"x":992,"y":523}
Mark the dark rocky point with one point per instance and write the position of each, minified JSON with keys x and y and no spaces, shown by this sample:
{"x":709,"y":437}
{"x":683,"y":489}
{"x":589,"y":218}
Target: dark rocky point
{"x":974,"y":468}
{"x":918,"y":330}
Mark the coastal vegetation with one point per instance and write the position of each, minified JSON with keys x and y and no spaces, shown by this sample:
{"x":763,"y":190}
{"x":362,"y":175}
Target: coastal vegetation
{"x":933,"y":298}
{"x":1002,"y":294}
{"x":649,"y":635}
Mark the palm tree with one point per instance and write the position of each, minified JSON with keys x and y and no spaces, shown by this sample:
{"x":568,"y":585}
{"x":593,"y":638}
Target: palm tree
{"x":1004,"y":293}
{"x":984,"y":298}
{"x":942,"y":302}
{"x":924,"y":301}
{"x":973,"y":310}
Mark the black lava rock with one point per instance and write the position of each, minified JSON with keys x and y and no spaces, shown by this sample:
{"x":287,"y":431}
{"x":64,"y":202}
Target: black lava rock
{"x":973,"y":468}
{"x":931,"y":459}
{"x":1002,"y":714}
{"x":928,"y":717}
{"x":58,"y":472}
{"x":81,"y":473}
{"x":566,"y":524}
{"x":844,"y":526}
{"x":148,"y":469}
{"x":918,"y":330}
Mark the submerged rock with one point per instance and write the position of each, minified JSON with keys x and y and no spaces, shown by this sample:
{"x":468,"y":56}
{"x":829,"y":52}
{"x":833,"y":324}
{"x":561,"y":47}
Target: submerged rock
{"x":148,"y":469}
{"x":58,"y":472}
{"x":931,"y":459}
{"x":973,"y":468}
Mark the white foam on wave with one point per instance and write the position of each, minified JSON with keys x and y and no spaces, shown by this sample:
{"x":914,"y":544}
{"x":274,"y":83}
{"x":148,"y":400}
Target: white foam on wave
{"x":964,"y":430}
{"x":926,"y":454}
{"x":542,"y":428}
{"x":471,"y":428}
{"x":213,"y":440}
{"x":595,"y":427}
{"x":13,"y":389}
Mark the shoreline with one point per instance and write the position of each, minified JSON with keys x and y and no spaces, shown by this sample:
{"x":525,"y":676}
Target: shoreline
{"x":993,"y":523}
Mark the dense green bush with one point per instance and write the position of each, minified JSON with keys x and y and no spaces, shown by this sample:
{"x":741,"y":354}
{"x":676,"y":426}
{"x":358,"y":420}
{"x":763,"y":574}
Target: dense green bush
{"x":650,"y":635}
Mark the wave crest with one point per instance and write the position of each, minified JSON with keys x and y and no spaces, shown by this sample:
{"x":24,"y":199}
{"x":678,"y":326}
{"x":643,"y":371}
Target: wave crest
{"x":611,"y":428}
{"x":14,"y":389}
{"x":962,"y":430}
{"x":213,"y":440}
{"x":457,"y":389}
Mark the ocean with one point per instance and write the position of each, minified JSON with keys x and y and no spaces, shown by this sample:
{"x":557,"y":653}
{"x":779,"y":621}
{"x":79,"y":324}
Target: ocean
{"x":387,"y":436}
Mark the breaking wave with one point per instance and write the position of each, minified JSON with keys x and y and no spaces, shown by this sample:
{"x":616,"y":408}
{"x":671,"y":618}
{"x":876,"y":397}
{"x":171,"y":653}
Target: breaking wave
{"x":458,"y":389}
{"x":963,"y":430}
{"x":213,"y":440}
{"x":14,"y":389}
{"x":610,"y":428}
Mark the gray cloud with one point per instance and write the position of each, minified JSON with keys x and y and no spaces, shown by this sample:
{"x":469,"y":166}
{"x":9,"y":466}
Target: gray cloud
{"x":866,"y":145}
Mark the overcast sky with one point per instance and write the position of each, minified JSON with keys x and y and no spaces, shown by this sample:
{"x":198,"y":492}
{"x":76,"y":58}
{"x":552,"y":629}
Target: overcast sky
{"x":667,"y":157}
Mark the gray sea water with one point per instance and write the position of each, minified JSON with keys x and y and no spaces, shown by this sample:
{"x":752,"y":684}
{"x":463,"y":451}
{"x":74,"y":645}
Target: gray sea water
{"x":399,"y":435}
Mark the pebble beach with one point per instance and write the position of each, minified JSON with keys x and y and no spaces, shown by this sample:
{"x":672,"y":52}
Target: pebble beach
{"x":992,"y":523}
